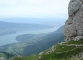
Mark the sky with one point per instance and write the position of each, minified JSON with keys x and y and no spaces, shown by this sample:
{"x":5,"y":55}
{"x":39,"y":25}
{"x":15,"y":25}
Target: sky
{"x":34,"y":8}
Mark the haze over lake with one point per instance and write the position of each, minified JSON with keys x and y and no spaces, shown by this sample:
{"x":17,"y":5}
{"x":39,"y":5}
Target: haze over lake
{"x":8,"y":39}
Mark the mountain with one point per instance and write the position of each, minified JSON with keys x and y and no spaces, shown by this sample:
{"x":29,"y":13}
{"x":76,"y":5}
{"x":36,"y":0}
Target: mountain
{"x":8,"y":25}
{"x":26,"y":48}
{"x":55,"y":22}
{"x":72,"y":47}
{"x":10,"y":28}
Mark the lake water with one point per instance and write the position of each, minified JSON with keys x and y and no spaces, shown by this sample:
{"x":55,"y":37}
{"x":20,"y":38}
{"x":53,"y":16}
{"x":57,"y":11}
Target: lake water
{"x":8,"y":39}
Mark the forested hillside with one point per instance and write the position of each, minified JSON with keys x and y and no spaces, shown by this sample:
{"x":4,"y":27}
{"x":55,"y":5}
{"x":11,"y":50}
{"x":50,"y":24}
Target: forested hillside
{"x":26,"y":48}
{"x":70,"y":50}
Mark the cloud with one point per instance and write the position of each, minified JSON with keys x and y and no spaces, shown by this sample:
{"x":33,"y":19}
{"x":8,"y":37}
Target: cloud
{"x":33,"y":8}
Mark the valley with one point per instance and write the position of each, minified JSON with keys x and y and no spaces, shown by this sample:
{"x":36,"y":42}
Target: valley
{"x":11,"y":38}
{"x":32,"y":45}
{"x":36,"y":30}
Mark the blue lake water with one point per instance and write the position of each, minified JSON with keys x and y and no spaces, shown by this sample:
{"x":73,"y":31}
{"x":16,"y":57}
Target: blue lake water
{"x":8,"y":39}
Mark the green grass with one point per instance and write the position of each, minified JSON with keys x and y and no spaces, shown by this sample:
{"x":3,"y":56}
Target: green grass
{"x":61,"y":52}
{"x":64,"y":51}
{"x":17,"y":58}
{"x":33,"y":57}
{"x":75,"y":42}
{"x":63,"y":48}
{"x":55,"y":55}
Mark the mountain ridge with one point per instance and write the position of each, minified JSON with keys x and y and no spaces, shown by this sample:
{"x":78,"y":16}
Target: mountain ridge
{"x":72,"y":48}
{"x":7,"y":28}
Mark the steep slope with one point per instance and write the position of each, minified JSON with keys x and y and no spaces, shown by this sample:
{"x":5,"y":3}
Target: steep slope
{"x":65,"y":50}
{"x":73,"y":31}
{"x":46,"y":42}
{"x":26,"y":48}
{"x":72,"y":48}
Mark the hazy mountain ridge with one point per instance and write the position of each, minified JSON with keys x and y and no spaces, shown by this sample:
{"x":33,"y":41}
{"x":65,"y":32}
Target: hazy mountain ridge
{"x":9,"y":28}
{"x":55,"y":22}
{"x":8,"y":25}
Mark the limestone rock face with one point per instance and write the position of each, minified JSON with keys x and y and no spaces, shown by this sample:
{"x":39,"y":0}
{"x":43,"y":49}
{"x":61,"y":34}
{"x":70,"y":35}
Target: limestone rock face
{"x":73,"y":29}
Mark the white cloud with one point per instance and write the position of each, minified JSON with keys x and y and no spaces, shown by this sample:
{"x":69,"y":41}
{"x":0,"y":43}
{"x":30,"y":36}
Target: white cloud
{"x":33,"y":8}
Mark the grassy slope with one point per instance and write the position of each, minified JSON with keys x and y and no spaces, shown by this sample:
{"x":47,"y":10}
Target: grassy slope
{"x":61,"y":51}
{"x":64,"y":50}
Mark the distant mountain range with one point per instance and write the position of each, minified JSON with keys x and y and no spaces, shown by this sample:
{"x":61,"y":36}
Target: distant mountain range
{"x":9,"y":28}
{"x":8,"y":25}
{"x":55,"y":22}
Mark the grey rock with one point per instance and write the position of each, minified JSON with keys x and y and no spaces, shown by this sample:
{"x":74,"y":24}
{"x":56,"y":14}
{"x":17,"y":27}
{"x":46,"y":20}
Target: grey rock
{"x":74,"y":25}
{"x":74,"y":5}
{"x":77,"y":38}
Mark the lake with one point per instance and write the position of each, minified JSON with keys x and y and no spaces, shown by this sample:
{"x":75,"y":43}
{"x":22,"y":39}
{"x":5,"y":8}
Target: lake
{"x":11,"y":38}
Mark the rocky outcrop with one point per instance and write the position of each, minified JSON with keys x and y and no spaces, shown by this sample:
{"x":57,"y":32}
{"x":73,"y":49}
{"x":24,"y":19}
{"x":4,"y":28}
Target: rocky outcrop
{"x":73,"y":29}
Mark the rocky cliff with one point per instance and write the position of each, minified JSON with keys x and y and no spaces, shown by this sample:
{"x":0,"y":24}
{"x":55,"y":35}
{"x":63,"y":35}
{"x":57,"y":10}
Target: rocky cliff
{"x":73,"y":29}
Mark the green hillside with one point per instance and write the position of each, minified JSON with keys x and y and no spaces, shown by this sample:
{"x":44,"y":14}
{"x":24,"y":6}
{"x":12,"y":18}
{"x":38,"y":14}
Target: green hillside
{"x":5,"y":56}
{"x":34,"y":45}
{"x":70,"y":50}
